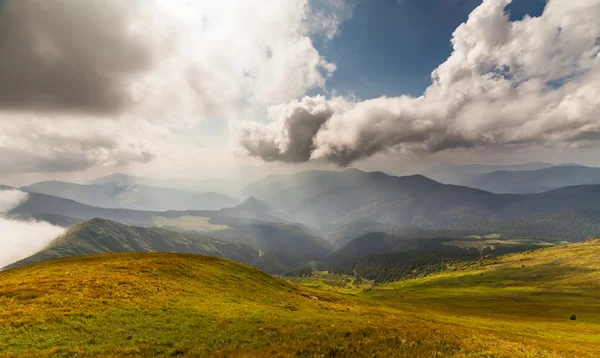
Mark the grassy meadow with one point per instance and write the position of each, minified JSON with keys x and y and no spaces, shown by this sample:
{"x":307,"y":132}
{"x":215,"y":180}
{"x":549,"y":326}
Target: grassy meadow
{"x":196,"y":223}
{"x":155,"y":304}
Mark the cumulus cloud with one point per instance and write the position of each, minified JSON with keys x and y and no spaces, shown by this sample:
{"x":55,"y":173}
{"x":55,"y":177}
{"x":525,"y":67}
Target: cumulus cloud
{"x":20,"y":239}
{"x":79,"y":80}
{"x":533,"y":82}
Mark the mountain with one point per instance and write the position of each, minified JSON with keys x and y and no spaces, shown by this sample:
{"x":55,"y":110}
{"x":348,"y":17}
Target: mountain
{"x":253,"y":208}
{"x":459,"y":174}
{"x":376,"y":243}
{"x":220,"y":185}
{"x":165,"y":304}
{"x":534,"y":181}
{"x":136,"y":197}
{"x":286,"y":245}
{"x":332,"y":200}
{"x":55,"y":210}
{"x":99,"y":236}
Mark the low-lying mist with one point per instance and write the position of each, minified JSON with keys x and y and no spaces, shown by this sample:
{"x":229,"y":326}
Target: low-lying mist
{"x":21,"y":238}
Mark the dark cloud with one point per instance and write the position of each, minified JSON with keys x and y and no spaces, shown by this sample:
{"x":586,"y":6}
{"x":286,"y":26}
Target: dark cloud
{"x":300,"y":126}
{"x":69,"y":55}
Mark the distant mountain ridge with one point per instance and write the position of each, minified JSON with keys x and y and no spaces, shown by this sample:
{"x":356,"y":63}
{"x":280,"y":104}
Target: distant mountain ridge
{"x":458,"y":174}
{"x":332,"y":200}
{"x":220,"y":185}
{"x":534,"y":181}
{"x":286,"y":245}
{"x":133,"y":196}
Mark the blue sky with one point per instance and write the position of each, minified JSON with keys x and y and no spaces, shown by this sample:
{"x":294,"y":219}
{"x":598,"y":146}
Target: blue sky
{"x":390,"y":47}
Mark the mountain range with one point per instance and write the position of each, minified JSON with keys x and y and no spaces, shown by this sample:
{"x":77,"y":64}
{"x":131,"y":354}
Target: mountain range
{"x":330,"y":201}
{"x":99,"y":236}
{"x":285,"y":244}
{"x":534,"y":181}
{"x":295,"y":219}
{"x":132,"y":196}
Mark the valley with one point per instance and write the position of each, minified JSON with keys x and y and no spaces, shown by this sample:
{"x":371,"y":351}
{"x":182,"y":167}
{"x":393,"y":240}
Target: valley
{"x":346,"y":263}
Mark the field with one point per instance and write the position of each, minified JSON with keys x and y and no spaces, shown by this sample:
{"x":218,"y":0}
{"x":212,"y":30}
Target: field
{"x":167,"y":305}
{"x":324,"y":280}
{"x":196,"y":223}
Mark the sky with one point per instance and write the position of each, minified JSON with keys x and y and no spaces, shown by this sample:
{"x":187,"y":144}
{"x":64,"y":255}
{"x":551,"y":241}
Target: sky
{"x":240,"y":88}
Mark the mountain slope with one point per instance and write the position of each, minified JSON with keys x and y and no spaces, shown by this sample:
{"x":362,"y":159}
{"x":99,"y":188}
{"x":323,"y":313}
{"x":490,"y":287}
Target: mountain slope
{"x":99,"y":236}
{"x":286,"y":245}
{"x":52,"y":206}
{"x":160,"y":304}
{"x":458,"y":174}
{"x":137,"y":197}
{"x":253,"y":208}
{"x":531,"y":294}
{"x":331,"y":200}
{"x":228,"y":186}
{"x":534,"y":181}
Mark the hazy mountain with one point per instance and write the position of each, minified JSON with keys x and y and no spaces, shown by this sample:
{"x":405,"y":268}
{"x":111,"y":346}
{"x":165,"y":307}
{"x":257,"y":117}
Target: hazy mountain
{"x":220,"y":185}
{"x":458,"y":174}
{"x":329,"y":200}
{"x":286,"y":245}
{"x":56,"y":209}
{"x":253,"y":208}
{"x":534,"y":181}
{"x":133,"y":196}
{"x":99,"y":236}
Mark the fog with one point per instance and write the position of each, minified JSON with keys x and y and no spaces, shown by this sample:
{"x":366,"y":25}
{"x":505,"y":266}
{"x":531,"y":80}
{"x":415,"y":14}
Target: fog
{"x":21,"y":238}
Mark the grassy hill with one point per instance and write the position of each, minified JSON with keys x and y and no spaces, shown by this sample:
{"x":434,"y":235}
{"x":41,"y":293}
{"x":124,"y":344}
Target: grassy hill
{"x":99,"y":236}
{"x":151,"y":304}
{"x":530,"y":295}
{"x":272,"y":247}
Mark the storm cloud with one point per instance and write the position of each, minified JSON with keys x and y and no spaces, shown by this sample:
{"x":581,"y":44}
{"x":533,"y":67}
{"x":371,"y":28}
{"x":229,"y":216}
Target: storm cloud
{"x":69,"y":55}
{"x":532,"y":82}
{"x":107,"y":82}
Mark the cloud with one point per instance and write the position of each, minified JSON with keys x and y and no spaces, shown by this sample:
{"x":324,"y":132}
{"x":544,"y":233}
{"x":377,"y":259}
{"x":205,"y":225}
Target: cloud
{"x":21,"y":239}
{"x":65,"y":145}
{"x":534,"y":82}
{"x":84,"y":85}
{"x":69,"y":56}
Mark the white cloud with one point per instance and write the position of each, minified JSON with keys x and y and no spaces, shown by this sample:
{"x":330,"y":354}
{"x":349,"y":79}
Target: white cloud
{"x":20,"y":239}
{"x":159,"y":65}
{"x":534,"y":82}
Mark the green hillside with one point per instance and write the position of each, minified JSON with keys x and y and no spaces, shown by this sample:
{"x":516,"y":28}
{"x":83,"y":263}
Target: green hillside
{"x":158,"y":304}
{"x":99,"y":236}
{"x":529,"y":295}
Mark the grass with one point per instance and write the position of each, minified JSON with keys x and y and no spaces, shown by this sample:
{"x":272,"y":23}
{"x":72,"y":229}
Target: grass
{"x":326,"y":281}
{"x":155,"y":304}
{"x":197,"y":223}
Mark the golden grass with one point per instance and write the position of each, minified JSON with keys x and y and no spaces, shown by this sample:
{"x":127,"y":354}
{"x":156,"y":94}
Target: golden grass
{"x":156,"y":304}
